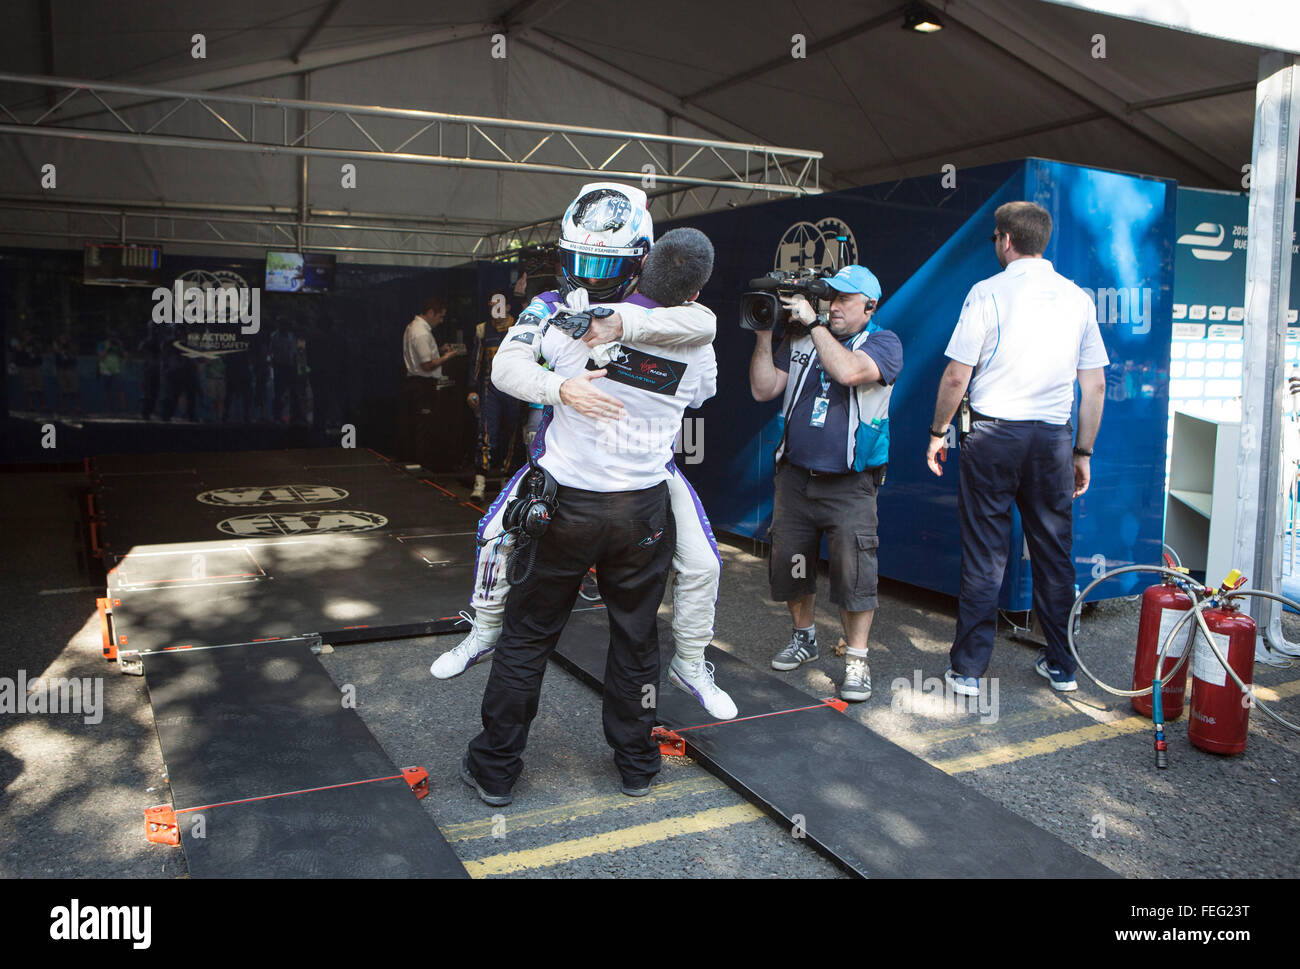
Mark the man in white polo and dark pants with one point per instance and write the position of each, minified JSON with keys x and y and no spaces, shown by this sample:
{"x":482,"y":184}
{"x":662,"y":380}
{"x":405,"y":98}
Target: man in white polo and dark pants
{"x":1023,"y":338}
{"x":422,"y":360}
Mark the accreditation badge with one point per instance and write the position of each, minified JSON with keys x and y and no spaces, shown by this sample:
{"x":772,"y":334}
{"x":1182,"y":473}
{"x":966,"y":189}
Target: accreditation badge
{"x":820,"y":406}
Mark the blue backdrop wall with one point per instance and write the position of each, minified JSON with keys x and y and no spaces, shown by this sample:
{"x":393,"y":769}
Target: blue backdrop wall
{"x":928,"y":245}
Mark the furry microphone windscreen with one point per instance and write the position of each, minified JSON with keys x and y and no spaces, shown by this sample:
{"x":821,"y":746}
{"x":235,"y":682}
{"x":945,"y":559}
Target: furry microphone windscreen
{"x":677,"y":267}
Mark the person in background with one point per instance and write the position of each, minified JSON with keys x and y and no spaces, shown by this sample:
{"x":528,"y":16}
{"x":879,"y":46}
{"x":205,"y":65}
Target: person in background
{"x":65,"y":369}
{"x":423,"y":360}
{"x":112,"y":356}
{"x":284,"y":367}
{"x":1023,"y":338}
{"x":259,"y":367}
{"x":498,"y":413}
{"x":27,"y":357}
{"x":151,"y":352}
{"x":326,"y":363}
{"x":239,"y":387}
{"x":214,"y":379}
{"x":180,"y":375}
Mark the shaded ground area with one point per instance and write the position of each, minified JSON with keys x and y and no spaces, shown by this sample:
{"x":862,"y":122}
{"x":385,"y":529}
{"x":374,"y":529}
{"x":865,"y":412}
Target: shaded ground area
{"x":1080,"y":765}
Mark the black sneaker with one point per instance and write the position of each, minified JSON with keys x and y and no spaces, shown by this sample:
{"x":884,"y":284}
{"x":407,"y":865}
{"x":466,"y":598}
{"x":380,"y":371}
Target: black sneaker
{"x":640,"y":789}
{"x":800,"y":650}
{"x":495,"y":800}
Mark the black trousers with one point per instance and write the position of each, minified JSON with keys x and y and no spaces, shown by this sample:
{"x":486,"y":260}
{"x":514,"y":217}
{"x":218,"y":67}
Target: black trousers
{"x":629,"y":537}
{"x":1030,"y":464}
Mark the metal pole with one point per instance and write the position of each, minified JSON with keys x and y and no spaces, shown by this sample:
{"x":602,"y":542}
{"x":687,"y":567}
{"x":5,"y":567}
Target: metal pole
{"x":304,"y":85}
{"x":1268,"y":284}
{"x":413,"y":114}
{"x":176,"y":141}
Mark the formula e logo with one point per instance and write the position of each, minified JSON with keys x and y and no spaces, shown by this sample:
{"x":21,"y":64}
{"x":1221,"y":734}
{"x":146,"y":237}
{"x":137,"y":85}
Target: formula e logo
{"x":272,"y":495}
{"x":817,"y":246}
{"x":301,"y":523}
{"x":647,"y":542}
{"x":1210,"y":234}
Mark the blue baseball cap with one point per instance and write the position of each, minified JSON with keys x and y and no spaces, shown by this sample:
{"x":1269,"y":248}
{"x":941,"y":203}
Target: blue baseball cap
{"x":856,"y":279}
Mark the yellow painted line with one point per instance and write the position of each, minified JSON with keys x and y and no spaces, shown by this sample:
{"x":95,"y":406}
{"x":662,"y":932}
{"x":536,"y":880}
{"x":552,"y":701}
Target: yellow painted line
{"x":1050,"y":744}
{"x":943,"y":735}
{"x":587,"y":807}
{"x":563,"y":852}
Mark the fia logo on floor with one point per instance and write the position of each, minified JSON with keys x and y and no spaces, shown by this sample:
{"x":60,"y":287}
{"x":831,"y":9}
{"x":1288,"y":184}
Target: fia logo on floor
{"x":301,"y":523}
{"x":272,"y":495}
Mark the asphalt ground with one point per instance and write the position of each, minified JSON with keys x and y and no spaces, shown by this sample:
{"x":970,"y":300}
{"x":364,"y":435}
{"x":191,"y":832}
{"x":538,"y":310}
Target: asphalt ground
{"x":1079,"y":765}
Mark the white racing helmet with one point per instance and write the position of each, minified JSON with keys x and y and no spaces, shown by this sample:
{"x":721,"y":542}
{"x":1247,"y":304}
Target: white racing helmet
{"x":606,"y":232}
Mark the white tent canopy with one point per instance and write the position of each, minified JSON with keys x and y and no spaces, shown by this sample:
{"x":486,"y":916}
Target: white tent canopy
{"x":1002,"y":80}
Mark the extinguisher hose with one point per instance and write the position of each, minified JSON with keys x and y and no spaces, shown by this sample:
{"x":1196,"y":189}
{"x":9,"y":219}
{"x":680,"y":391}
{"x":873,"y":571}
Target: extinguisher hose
{"x":1182,"y":579}
{"x":1249,"y":691}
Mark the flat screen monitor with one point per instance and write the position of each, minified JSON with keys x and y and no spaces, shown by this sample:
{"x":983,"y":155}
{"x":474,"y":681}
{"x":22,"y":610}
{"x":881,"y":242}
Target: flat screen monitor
{"x":299,"y":272}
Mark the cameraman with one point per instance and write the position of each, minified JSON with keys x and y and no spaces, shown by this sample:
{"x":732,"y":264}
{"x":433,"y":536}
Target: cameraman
{"x":831,"y":459}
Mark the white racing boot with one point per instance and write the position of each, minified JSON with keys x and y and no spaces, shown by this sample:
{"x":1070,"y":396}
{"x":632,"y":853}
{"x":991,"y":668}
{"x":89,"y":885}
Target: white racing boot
{"x":697,"y":679}
{"x":477,"y":646}
{"x":480,"y":486}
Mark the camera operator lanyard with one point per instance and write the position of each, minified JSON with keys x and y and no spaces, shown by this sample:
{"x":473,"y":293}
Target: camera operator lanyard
{"x":822,"y":402}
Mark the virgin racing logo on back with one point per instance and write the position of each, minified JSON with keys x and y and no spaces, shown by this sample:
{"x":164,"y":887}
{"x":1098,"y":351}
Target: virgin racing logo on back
{"x":272,"y":495}
{"x":302,"y":523}
{"x":637,"y":369}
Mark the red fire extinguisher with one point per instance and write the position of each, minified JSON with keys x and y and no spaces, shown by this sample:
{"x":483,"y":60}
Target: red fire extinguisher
{"x":1220,"y":712}
{"x":1162,"y":606}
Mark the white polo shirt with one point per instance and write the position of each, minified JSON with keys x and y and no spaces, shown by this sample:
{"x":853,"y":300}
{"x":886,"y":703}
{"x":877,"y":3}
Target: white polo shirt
{"x":1026,"y":331}
{"x":632,"y":453}
{"x":419,"y":346}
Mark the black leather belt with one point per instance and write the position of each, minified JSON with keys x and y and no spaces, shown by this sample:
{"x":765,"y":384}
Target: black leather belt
{"x":819,"y":474}
{"x":977,"y":416}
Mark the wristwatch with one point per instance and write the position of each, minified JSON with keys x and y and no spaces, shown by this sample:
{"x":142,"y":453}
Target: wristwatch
{"x":821,"y":319}
{"x":941,"y":432}
{"x":1083,"y":452}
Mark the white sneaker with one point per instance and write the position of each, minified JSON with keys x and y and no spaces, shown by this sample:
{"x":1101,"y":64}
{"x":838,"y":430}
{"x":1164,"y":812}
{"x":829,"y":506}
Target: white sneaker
{"x":460,"y":658}
{"x":480,"y":486}
{"x":697,"y":679}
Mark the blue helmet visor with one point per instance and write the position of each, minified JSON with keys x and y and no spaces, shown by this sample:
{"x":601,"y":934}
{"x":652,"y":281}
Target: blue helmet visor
{"x":581,"y":265}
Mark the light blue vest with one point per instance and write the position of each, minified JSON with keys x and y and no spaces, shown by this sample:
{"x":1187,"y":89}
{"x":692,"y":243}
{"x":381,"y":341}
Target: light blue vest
{"x":868,"y":438}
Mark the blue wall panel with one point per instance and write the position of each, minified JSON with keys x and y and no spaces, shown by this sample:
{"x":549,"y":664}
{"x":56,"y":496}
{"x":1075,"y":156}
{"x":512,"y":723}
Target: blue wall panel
{"x":928,"y":246}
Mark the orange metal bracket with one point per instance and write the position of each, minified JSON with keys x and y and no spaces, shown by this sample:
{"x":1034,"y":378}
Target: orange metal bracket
{"x":418,"y":778}
{"x":670,"y":743}
{"x":160,"y":825}
{"x":105,"y":629}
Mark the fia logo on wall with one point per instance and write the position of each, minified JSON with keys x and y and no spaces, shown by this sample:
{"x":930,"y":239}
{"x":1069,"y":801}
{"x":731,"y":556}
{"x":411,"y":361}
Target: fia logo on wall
{"x":249,"y":496}
{"x":207,"y":299}
{"x":816,"y":246}
{"x":279,"y":523}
